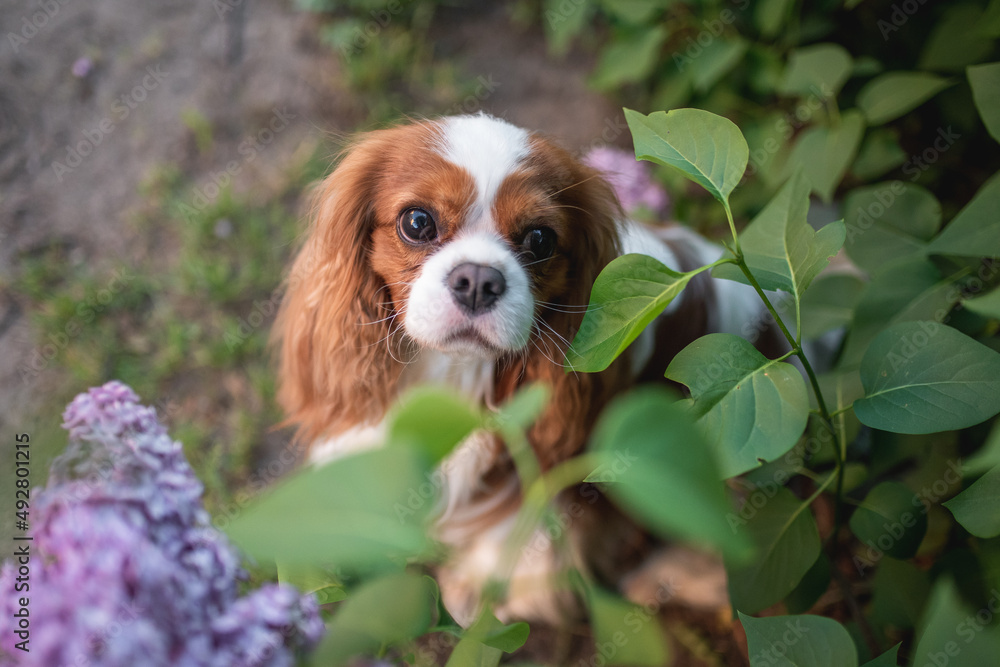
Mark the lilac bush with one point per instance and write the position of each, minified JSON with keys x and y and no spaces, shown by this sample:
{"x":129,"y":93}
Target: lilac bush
{"x":126,"y":569}
{"x":638,"y":193}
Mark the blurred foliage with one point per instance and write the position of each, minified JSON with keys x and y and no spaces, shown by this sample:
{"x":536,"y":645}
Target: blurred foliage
{"x":188,"y":326}
{"x":788,"y":73}
{"x":864,"y":104}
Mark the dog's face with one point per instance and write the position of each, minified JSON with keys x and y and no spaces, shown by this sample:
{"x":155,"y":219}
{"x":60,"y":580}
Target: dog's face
{"x":464,"y":235}
{"x":478,"y":235}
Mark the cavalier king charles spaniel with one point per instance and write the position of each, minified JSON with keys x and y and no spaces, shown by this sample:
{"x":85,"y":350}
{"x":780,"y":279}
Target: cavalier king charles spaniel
{"x":462,"y":251}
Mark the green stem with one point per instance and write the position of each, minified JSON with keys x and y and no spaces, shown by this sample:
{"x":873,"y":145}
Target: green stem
{"x":796,"y":349}
{"x":736,"y":237}
{"x":841,"y":449}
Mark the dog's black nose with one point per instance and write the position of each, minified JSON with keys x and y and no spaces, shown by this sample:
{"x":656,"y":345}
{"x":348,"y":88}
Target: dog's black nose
{"x":476,"y":287}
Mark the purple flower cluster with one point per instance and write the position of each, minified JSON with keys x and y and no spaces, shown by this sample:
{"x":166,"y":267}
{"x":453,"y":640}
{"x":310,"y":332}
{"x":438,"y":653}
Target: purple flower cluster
{"x":638,"y":193}
{"x":126,"y":569}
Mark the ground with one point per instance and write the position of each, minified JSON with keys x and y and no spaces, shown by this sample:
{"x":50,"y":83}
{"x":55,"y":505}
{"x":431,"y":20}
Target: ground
{"x":215,"y":92}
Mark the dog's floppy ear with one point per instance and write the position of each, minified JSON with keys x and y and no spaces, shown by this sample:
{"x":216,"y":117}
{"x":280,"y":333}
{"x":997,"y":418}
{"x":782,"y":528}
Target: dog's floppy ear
{"x":332,"y":331}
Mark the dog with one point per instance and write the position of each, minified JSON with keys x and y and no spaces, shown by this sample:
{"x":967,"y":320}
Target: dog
{"x":462,"y":251}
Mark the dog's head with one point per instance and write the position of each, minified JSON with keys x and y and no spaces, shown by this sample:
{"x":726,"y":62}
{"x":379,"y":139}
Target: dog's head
{"x":465,"y":235}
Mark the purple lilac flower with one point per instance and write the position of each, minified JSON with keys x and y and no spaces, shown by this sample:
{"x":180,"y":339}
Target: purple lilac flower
{"x":631,"y":180}
{"x":126,"y":569}
{"x":82,"y":67}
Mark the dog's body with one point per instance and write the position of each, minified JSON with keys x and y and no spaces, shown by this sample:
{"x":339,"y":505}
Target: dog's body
{"x":462,"y":252}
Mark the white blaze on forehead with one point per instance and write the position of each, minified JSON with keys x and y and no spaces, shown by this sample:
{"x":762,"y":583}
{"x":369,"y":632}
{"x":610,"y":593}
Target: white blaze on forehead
{"x":488,"y":148}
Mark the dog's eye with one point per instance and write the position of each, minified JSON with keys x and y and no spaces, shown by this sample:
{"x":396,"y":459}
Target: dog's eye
{"x":416,"y":226}
{"x":540,"y":242}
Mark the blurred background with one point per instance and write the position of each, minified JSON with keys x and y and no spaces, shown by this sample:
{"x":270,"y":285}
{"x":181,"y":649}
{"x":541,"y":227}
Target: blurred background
{"x":155,"y":162}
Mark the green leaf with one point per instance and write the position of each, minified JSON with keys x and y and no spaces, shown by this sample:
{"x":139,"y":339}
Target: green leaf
{"x":627,"y":295}
{"x":346,"y":512}
{"x":837,"y":144}
{"x":880,"y":152}
{"x":975,"y":231}
{"x":781,"y":249}
{"x":483,"y":644}
{"x":887,"y":520}
{"x":987,"y":305}
{"x":471,"y":653}
{"x":751,"y":408}
{"x":310,"y":578}
{"x":434,"y":420}
{"x":899,"y":590}
{"x":924,"y":377}
{"x":986,"y":456}
{"x":888,"y":659}
{"x":787,"y":542}
{"x":889,"y":220}
{"x":708,"y":149}
{"x":392,"y":609}
{"x":817,"y":69}
{"x":955,"y":40}
{"x":908,"y":290}
{"x":661,"y":463}
{"x":329,"y":594}
{"x":718,"y":58}
{"x":524,"y":407}
{"x":976,"y":507}
{"x":866,"y":66}
{"x":891,"y":95}
{"x":629,"y":58}
{"x":788,"y":641}
{"x":635,"y":634}
{"x":985,"y":82}
{"x":509,"y":638}
{"x":830,"y":303}
{"x":946,"y":632}
{"x":815,"y":582}
{"x":770,"y":15}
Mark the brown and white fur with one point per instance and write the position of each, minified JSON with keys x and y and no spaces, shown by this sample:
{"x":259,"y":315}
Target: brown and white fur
{"x":370,"y":311}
